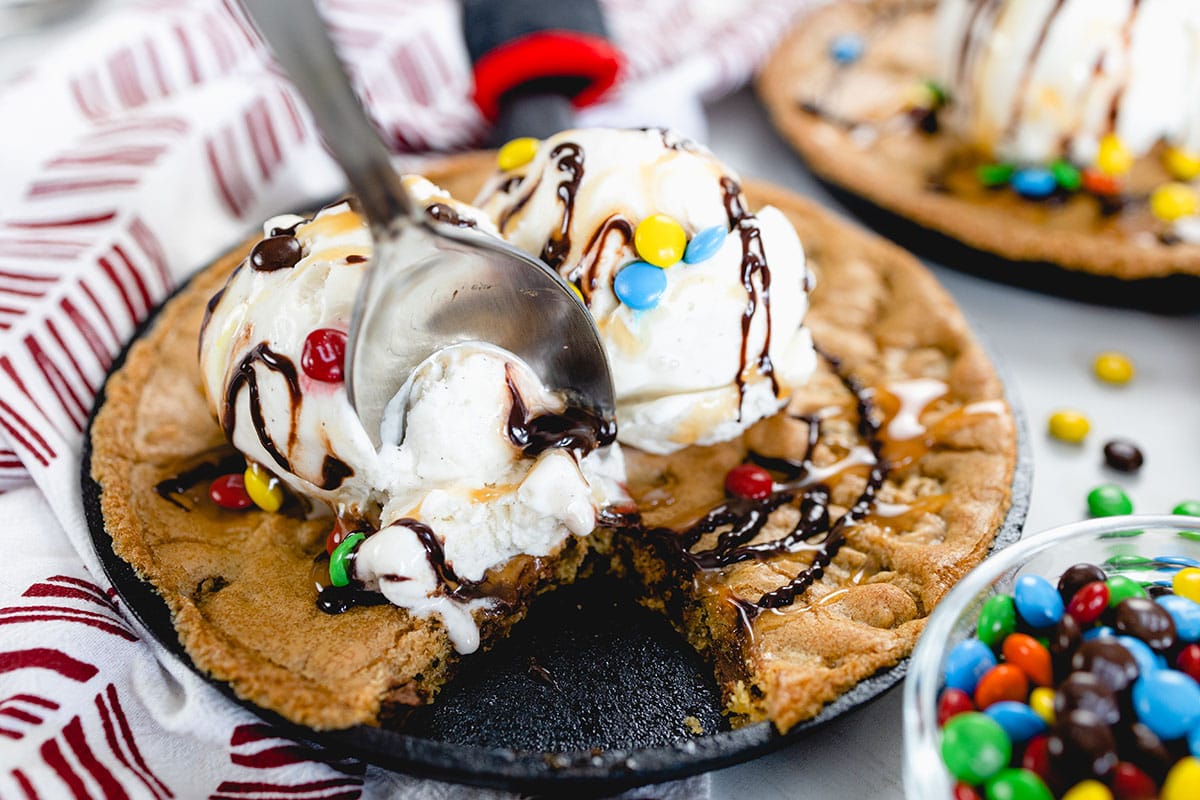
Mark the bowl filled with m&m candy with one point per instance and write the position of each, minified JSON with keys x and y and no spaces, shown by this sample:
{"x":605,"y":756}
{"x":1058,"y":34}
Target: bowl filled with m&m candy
{"x":1066,"y":666}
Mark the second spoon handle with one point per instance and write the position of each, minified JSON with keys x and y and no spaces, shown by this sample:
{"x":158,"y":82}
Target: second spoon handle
{"x":297,"y":36}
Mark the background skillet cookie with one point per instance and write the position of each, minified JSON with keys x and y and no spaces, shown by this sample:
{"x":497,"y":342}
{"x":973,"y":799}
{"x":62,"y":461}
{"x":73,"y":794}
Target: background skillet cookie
{"x":848,"y":88}
{"x":944,"y":426}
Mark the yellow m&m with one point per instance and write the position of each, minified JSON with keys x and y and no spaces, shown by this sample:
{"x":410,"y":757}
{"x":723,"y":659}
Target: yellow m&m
{"x":517,"y":153}
{"x":1113,"y":367}
{"x":1114,"y":157}
{"x":1041,"y":700}
{"x":1171,"y":201}
{"x":1182,"y":164}
{"x":263,"y":488}
{"x":1069,"y":426}
{"x":1088,"y":790}
{"x":1183,"y":781}
{"x":660,"y":240}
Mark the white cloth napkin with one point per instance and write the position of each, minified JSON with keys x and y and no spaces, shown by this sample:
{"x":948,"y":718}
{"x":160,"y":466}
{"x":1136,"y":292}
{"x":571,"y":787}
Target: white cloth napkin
{"x":136,"y":149}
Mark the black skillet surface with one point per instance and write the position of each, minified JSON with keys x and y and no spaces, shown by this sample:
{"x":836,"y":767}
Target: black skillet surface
{"x":589,"y":694}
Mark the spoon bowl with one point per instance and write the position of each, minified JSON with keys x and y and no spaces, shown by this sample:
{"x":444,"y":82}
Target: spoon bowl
{"x":431,"y":283}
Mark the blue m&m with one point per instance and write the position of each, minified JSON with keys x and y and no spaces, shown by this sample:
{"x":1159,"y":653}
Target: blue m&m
{"x":1038,"y":602}
{"x":640,"y":285}
{"x":846,"y":48}
{"x":1034,"y":182}
{"x":705,"y":244}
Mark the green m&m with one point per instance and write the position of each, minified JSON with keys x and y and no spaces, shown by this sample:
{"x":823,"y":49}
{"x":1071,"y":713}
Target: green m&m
{"x":997,"y":619}
{"x":975,"y":747}
{"x":338,"y":574}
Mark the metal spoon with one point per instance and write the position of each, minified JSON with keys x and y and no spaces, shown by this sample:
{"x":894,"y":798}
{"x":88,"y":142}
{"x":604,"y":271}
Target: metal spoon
{"x":430,"y":284}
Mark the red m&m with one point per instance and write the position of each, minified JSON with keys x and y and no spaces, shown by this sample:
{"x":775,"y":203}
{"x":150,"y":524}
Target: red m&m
{"x":324,"y":355}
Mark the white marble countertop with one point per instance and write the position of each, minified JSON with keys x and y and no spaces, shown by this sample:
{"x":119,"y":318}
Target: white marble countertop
{"x":1045,"y":345}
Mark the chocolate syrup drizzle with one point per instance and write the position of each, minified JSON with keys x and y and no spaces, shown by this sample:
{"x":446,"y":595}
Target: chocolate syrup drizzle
{"x":201,"y":473}
{"x":568,"y":158}
{"x":333,"y":470}
{"x":584,"y":273}
{"x":754,"y":262}
{"x":440,"y":212}
{"x":815,"y":528}
{"x":339,"y":599}
{"x":576,"y":429}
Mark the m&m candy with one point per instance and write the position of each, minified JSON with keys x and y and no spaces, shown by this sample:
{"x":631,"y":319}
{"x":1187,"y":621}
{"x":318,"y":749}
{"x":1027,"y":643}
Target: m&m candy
{"x":705,"y":244}
{"x":1034,"y":182}
{"x":1171,"y":201}
{"x":846,"y":48}
{"x":1115,"y":708}
{"x":263,"y":488}
{"x":1109,"y":500}
{"x":229,"y":491}
{"x":517,"y":153}
{"x":659,"y":240}
{"x":640,"y":285}
{"x":750,"y":481}
{"x":1069,"y":425}
{"x":339,"y":574}
{"x":1113,"y":367}
{"x":1113,"y":157}
{"x":323,"y":357}
{"x":1182,"y":164}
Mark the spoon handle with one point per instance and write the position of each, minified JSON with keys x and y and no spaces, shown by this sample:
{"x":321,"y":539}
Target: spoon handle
{"x":296,"y":34}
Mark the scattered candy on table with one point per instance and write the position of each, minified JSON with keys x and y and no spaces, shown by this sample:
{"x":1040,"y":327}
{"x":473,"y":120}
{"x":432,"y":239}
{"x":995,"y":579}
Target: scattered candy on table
{"x":1171,"y":201}
{"x":1123,"y":455}
{"x":1188,"y":508}
{"x":1113,"y":367}
{"x":1118,"y":711}
{"x":847,"y":48}
{"x":1069,"y":425}
{"x":705,"y":244}
{"x":1034,"y":182}
{"x":1108,"y":500}
{"x":324,"y":355}
{"x":660,"y":240}
{"x":263,"y":488}
{"x":640,"y":285}
{"x":517,"y":153}
{"x":229,"y":491}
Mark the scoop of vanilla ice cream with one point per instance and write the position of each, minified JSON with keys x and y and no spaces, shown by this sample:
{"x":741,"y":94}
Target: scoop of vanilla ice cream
{"x":690,"y":370}
{"x":454,"y":466}
{"x":1036,"y":80}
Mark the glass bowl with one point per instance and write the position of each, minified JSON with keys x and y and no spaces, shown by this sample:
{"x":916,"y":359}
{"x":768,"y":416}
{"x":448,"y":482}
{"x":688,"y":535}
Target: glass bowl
{"x":1126,"y":545}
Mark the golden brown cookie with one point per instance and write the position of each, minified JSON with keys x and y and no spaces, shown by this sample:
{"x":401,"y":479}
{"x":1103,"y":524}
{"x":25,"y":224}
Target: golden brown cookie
{"x":904,"y":484}
{"x":867,"y":127}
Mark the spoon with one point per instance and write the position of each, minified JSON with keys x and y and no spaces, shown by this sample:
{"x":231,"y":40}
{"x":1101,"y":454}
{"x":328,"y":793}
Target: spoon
{"x":430,"y":284}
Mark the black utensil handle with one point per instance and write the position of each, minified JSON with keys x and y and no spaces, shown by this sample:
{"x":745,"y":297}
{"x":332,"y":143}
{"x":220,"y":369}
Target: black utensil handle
{"x":538,"y":47}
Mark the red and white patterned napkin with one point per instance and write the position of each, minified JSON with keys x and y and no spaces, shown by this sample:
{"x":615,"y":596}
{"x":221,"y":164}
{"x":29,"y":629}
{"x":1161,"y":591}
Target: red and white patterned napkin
{"x":135,"y":150}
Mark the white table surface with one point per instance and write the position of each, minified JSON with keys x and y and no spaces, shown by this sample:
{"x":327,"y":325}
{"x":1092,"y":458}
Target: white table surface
{"x":1046,"y":345}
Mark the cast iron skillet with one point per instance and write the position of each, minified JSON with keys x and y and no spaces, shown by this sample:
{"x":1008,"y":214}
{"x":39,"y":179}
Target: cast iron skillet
{"x":589,"y":694}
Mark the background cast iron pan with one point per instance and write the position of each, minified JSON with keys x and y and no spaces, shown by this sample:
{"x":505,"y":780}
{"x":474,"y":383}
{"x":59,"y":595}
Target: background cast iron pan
{"x":1171,"y":294}
{"x":588,"y":694}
